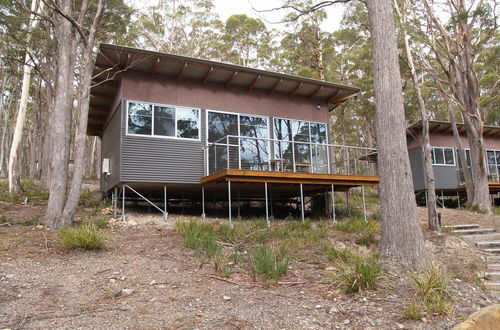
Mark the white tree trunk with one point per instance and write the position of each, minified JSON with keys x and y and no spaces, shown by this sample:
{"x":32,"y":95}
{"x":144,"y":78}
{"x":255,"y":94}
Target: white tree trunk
{"x":402,"y":239}
{"x":14,"y":175}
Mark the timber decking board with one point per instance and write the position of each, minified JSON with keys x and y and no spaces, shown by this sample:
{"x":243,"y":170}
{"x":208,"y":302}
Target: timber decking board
{"x":289,"y":177}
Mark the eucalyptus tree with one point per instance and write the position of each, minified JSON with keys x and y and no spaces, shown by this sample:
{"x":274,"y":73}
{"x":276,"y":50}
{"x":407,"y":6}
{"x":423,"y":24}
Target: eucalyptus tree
{"x":246,"y":41}
{"x":190,"y":27}
{"x":456,"y":40}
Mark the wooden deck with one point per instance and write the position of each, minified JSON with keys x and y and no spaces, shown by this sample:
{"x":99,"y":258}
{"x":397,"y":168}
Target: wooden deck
{"x":493,"y":185}
{"x":250,"y":176}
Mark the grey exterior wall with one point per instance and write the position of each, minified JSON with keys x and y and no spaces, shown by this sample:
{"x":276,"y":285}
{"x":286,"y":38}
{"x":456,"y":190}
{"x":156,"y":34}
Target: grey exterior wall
{"x":111,"y":148}
{"x":417,"y":169}
{"x":151,"y":159}
{"x":446,"y":177}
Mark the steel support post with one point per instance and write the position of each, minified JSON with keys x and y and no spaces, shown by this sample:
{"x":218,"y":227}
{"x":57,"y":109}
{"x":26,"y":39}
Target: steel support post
{"x":239,"y":211}
{"x":203,"y":215}
{"x":165,"y":201}
{"x":334,"y":218}
{"x":364,"y":202}
{"x":229,"y":203}
{"x":302,"y":202}
{"x":115,"y":202}
{"x":267,"y":206}
{"x":442,"y":199}
{"x":426,"y":205}
{"x":458,"y":198}
{"x":123,"y":203}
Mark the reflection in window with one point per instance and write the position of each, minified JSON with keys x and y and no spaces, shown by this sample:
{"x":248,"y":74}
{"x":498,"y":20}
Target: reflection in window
{"x":187,"y":123}
{"x":493,"y":163}
{"x":443,"y":156}
{"x":167,"y":120}
{"x":139,"y":118}
{"x":164,"y":121}
{"x":221,"y":125}
{"x":254,"y":154}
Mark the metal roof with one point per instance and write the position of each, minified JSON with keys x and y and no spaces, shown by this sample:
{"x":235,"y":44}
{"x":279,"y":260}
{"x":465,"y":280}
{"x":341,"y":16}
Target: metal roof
{"x":112,"y":60}
{"x":444,"y":127}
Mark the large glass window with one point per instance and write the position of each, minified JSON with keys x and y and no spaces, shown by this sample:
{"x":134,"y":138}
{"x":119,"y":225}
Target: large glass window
{"x":493,"y":163}
{"x":221,"y":125}
{"x":139,"y":118}
{"x":309,"y":153}
{"x":253,"y":152}
{"x":163,"y":120}
{"x":443,"y":156}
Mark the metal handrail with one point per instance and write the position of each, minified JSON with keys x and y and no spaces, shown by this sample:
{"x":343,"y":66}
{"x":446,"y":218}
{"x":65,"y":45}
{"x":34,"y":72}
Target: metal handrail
{"x":330,"y":164}
{"x":227,"y":137}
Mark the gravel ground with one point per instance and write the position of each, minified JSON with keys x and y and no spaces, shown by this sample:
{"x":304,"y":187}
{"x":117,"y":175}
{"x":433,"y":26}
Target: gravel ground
{"x":146,"y":279}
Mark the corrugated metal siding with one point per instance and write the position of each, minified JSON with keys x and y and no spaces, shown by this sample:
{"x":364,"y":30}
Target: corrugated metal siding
{"x":162,"y":160}
{"x":446,"y":177}
{"x":417,"y":169}
{"x":111,"y":140}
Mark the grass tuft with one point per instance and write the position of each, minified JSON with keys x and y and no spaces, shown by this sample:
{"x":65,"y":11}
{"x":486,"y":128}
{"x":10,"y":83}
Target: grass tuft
{"x":367,"y":240}
{"x":363,"y":274}
{"x":85,"y":236}
{"x":431,"y":294}
{"x":101,"y":223}
{"x":357,"y":225}
{"x":269,"y":263}
{"x":198,"y":236}
{"x":338,"y":255}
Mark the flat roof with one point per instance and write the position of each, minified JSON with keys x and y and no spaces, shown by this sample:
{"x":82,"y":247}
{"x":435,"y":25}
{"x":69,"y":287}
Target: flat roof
{"x":112,"y":60}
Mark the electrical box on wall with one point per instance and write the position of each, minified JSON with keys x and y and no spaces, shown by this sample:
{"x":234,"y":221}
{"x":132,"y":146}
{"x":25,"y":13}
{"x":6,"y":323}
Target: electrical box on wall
{"x":105,"y":166}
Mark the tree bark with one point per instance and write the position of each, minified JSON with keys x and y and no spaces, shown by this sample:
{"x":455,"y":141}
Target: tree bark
{"x":425,"y":145}
{"x":402,"y":239}
{"x":462,"y":158}
{"x":59,"y":119}
{"x":83,"y":103}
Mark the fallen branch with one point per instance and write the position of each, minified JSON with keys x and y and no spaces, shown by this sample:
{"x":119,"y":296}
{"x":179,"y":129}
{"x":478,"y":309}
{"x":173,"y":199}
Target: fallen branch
{"x":5,"y":224}
{"x":225,"y":280}
{"x":292,"y":283}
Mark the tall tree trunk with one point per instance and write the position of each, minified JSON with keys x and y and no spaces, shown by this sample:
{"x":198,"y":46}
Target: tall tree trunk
{"x":83,"y":104}
{"x":402,"y":239}
{"x":425,"y":145}
{"x":59,"y":121}
{"x":14,"y":175}
{"x":462,"y":158}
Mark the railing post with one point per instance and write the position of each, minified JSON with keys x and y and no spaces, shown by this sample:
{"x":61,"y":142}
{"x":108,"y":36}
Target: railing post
{"x":227,"y":148}
{"x":293,"y":155}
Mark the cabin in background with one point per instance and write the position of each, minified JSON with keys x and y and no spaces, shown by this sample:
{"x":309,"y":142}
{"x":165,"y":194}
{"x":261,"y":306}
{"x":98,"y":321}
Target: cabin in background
{"x":448,"y":172}
{"x":176,"y":128}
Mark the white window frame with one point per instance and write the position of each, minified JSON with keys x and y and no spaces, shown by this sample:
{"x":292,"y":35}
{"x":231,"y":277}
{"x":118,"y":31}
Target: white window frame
{"x":496,"y":163}
{"x":444,"y":157}
{"x":152,"y":135}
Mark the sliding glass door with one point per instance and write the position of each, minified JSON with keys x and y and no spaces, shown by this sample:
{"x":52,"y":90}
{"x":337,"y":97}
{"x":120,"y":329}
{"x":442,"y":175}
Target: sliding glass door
{"x":253,"y":152}
{"x":220,"y":125}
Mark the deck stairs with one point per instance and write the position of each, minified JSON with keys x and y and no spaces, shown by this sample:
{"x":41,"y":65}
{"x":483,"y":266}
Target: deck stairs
{"x":486,"y":240}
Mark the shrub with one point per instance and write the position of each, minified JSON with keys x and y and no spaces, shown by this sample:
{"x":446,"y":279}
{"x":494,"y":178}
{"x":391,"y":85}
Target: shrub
{"x":32,"y":221}
{"x":367,"y":240}
{"x":4,"y":219}
{"x":270,"y":263}
{"x":198,"y":236}
{"x":357,"y":225}
{"x":431,"y":292}
{"x":222,"y":264}
{"x":338,"y":255}
{"x":101,"y":223}
{"x":85,"y":236}
{"x":413,"y":310}
{"x":364,"y":274}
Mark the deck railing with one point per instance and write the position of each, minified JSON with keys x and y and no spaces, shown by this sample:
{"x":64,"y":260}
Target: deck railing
{"x":250,"y":153}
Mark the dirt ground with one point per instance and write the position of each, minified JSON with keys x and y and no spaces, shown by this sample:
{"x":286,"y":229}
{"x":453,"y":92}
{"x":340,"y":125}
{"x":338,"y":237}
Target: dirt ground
{"x":44,"y":286}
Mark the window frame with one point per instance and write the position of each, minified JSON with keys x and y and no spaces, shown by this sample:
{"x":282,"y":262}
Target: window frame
{"x":496,"y":165}
{"x":444,"y":156}
{"x":152,"y":135}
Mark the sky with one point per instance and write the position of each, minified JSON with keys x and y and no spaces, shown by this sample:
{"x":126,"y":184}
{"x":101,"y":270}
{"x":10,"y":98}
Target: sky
{"x":226,"y":8}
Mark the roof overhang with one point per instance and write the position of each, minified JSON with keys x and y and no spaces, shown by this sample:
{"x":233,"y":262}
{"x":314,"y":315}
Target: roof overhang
{"x":113,"y":60}
{"x":444,"y":127}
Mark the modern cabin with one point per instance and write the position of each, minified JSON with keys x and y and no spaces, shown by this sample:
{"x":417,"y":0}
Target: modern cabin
{"x":448,"y":172}
{"x":181,"y":128}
